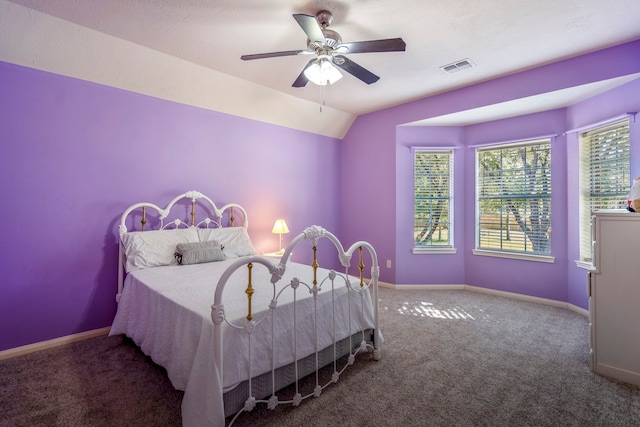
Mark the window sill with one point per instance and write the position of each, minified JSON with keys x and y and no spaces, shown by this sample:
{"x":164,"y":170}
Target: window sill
{"x":523,"y":257}
{"x":433,"y":251}
{"x":585,"y":264}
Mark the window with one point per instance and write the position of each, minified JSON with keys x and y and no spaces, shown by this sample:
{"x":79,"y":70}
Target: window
{"x":604,"y":175}
{"x":433,"y":199}
{"x":514,"y":198}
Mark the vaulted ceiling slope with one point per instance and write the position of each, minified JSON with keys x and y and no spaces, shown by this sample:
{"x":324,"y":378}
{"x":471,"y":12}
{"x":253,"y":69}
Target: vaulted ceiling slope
{"x":189,"y":50}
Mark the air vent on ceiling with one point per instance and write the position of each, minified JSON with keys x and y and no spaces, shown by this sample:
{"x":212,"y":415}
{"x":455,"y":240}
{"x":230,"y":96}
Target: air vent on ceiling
{"x":457,"y":66}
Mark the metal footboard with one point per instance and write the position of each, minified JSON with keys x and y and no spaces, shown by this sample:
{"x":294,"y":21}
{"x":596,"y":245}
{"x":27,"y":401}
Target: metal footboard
{"x":309,"y":312}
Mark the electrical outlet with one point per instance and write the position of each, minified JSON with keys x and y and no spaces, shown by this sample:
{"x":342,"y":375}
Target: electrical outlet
{"x":388,"y":263}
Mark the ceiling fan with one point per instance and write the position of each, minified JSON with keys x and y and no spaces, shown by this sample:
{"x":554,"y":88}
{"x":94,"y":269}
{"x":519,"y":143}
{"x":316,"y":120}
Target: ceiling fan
{"x":329,"y":51}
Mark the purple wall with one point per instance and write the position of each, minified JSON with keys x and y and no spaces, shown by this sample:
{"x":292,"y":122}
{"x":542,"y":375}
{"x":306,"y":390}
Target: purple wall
{"x":545,"y":280}
{"x":384,"y":198}
{"x":423,"y":268}
{"x":75,"y":154}
{"x":368,"y":208}
{"x":611,"y":104}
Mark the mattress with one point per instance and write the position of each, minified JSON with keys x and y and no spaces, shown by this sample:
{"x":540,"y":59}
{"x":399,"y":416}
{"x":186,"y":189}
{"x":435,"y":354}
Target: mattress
{"x":167,"y":312}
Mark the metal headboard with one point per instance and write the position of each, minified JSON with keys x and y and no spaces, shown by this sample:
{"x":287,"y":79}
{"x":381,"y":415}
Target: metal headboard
{"x":214,"y":217}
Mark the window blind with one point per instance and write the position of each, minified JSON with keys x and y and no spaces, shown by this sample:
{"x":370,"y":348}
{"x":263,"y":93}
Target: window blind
{"x":514,"y":198}
{"x":433,"y":199}
{"x":605,"y":176}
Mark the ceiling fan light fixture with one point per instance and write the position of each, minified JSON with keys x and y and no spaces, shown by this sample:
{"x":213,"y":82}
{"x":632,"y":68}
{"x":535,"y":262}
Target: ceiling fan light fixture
{"x":322,"y":72}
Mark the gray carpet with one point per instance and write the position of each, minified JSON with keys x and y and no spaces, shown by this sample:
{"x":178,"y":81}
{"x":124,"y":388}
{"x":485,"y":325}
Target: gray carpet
{"x":449,"y":358}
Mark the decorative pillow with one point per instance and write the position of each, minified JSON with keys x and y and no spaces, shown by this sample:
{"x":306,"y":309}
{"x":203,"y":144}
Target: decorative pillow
{"x":235,"y":240}
{"x":146,"y":249}
{"x":199,"y":252}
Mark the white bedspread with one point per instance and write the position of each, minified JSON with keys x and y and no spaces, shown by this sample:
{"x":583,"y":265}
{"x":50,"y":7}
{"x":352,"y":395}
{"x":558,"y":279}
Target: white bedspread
{"x":167,"y":312}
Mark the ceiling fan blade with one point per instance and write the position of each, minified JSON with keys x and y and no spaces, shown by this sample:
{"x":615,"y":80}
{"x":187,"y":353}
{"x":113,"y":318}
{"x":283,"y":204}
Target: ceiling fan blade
{"x":356,"y":70}
{"x":311,"y":27}
{"x":273,"y":54}
{"x":385,"y":45}
{"x":302,"y":80}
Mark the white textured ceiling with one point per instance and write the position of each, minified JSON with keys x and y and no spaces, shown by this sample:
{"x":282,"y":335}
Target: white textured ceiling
{"x":500,"y":36}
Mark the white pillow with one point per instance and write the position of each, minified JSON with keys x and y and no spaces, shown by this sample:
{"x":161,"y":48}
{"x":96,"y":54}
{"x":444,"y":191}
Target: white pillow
{"x":235,"y":240}
{"x":145,"y":249}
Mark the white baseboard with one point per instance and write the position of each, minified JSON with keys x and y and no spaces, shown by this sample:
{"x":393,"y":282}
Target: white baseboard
{"x":385,"y":285}
{"x":538,"y":300}
{"x":578,"y":310}
{"x":56,"y":342}
{"x":429,"y":287}
{"x":505,"y":294}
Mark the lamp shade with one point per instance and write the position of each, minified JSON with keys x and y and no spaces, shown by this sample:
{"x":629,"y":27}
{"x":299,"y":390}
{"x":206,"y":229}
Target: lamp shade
{"x":280,"y":227}
{"x":322,"y":72}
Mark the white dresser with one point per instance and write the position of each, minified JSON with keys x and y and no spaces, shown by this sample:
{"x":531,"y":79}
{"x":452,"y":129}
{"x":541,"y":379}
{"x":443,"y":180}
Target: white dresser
{"x":614,"y":290}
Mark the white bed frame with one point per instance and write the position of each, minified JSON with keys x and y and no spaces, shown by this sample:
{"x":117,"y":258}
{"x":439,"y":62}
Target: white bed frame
{"x":363,"y":292}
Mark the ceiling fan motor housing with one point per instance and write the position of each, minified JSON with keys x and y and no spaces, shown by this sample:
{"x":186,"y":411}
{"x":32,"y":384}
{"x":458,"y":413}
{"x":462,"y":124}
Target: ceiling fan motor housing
{"x":324,"y":18}
{"x":331,"y":40}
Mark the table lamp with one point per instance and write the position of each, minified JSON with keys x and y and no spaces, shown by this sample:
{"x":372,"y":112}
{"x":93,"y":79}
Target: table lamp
{"x":280,"y":227}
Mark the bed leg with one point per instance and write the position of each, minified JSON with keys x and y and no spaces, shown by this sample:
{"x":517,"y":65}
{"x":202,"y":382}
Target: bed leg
{"x":377,"y":354}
